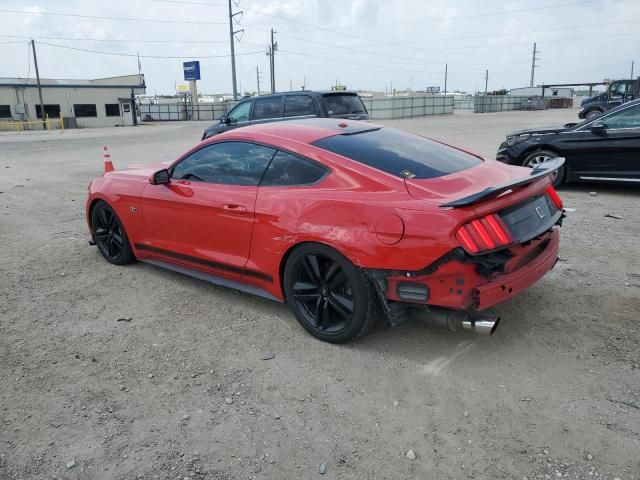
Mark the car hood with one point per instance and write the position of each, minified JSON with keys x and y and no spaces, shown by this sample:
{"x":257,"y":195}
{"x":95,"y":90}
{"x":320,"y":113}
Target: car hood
{"x":595,"y":98}
{"x":538,"y":131}
{"x":464,"y":183}
{"x":143,"y":169}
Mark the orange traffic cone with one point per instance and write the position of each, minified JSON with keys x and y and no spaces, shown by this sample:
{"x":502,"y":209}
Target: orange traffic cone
{"x":108,"y":164}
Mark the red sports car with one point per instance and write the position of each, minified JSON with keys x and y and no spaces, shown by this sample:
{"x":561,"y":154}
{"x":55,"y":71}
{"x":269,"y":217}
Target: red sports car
{"x":347,"y":222}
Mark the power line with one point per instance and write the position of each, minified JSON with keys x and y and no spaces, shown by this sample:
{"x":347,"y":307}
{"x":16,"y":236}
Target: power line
{"x":114,"y":40}
{"x":144,"y":56}
{"x":123,"y":19}
{"x":385,"y":67}
{"x":491,"y":35}
{"x":484,"y":14}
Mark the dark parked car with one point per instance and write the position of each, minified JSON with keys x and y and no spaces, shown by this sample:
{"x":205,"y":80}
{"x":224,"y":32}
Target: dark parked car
{"x":606,"y":148}
{"x":289,"y":105}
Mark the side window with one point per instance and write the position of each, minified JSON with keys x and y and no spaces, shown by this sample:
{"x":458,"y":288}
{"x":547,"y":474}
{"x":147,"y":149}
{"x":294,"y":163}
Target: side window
{"x":627,"y":118}
{"x":287,"y":169}
{"x":112,"y":109}
{"x":240,"y":113}
{"x":229,"y":163}
{"x":83,"y":110}
{"x":270,"y":107}
{"x":296,"y":105}
{"x":52,"y":110}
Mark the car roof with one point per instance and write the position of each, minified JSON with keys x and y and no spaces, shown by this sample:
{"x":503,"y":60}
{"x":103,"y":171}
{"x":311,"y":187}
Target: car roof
{"x":307,"y":130}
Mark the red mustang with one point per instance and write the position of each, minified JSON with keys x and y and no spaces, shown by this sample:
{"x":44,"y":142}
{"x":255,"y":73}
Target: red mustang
{"x":342,"y":220}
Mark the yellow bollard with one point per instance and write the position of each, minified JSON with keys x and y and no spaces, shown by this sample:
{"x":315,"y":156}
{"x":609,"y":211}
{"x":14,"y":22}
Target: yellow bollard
{"x":61,"y":122}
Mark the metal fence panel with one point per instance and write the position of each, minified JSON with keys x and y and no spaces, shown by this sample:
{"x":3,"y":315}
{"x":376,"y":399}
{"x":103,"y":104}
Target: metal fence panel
{"x":502,"y":103}
{"x":408,"y":107}
{"x":180,"y":111}
{"x":378,"y":108}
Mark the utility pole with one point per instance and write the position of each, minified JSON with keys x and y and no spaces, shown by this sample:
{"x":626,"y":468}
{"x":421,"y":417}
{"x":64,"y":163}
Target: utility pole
{"x":273,"y":47}
{"x":35,"y":62}
{"x":445,"y":78}
{"x":631,"y":77}
{"x":533,"y":63}
{"x":232,"y":34}
{"x":290,"y":84}
{"x":486,"y":82}
{"x":258,"y":79}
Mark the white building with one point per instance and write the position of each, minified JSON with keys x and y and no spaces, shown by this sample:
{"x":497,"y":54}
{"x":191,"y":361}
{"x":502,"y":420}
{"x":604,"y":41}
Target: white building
{"x":104,"y":102}
{"x":537,"y":92}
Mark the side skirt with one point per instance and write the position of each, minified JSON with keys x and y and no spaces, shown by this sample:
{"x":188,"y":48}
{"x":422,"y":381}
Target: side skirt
{"x":214,"y":279}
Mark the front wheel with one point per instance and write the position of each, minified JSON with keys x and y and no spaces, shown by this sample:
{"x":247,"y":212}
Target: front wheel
{"x":110,"y":235}
{"x":536,"y":158}
{"x":331,"y":298}
{"x":593,"y":114}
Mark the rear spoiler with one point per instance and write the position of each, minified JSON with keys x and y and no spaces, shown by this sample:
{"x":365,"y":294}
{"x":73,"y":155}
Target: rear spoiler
{"x":545,"y":168}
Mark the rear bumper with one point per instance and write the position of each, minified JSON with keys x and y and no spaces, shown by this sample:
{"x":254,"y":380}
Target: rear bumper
{"x":459,"y":284}
{"x":508,"y":285}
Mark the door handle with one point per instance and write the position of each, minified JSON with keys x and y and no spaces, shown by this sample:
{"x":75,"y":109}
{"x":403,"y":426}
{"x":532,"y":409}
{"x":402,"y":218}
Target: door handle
{"x":237,"y":209}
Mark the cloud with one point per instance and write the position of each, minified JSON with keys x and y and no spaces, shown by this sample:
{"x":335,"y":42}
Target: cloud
{"x":366,"y":44}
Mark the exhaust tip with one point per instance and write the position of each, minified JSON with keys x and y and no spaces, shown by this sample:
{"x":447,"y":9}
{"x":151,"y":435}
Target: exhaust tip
{"x":485,"y":326}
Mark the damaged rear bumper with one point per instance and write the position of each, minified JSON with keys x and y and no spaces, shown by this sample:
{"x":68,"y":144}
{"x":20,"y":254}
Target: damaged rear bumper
{"x":462,"y":282}
{"x":507,"y":285}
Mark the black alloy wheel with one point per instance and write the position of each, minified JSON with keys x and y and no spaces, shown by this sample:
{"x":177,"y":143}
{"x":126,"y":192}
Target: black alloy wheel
{"x":329,"y":296}
{"x":109,"y":235}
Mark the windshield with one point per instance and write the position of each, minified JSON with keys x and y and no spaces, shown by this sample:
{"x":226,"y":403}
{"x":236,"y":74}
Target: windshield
{"x":343,"y":104}
{"x":399,"y":153}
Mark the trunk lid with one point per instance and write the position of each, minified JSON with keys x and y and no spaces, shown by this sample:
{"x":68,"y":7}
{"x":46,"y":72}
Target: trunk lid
{"x":464,"y":183}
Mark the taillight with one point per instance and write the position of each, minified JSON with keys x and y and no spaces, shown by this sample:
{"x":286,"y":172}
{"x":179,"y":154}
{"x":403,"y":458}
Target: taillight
{"x":554,"y":197}
{"x":484,"y":234}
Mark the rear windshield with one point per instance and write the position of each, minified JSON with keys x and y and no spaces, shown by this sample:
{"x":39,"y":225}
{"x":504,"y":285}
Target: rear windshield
{"x":343,"y":104}
{"x":399,"y":153}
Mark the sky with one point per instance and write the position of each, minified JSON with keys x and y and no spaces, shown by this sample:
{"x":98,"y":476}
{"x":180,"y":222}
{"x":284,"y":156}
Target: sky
{"x":363,"y":44}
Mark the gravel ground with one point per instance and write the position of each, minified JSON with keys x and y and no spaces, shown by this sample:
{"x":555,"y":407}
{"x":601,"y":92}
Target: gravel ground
{"x":179,"y":388}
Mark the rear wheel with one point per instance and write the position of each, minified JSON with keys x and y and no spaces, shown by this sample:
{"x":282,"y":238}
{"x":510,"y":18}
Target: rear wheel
{"x":331,"y":298}
{"x":537,"y":158}
{"x":110,"y":236}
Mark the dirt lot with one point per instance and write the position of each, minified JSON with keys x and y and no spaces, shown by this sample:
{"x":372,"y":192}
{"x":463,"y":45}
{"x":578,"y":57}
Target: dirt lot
{"x":555,"y":393}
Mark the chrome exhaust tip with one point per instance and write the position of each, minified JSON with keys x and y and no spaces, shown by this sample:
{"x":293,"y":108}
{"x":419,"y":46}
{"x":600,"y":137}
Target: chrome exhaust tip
{"x":485,"y":325}
{"x":456,"y":320}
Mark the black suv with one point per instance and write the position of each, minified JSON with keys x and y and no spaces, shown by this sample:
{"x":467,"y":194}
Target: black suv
{"x":284,"y":106}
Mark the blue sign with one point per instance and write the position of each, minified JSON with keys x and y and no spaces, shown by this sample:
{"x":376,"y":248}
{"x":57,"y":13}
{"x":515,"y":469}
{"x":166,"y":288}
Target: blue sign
{"x":435,"y":89}
{"x":191,"y":70}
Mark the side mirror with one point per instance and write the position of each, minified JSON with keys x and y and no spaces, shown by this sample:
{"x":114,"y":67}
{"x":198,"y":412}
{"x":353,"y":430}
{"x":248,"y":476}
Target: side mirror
{"x":160,"y":177}
{"x":224,"y":119}
{"x":599,"y":128}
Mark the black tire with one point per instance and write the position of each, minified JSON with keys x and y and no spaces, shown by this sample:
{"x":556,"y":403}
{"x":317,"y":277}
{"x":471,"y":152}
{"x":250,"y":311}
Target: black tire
{"x":110,"y":236}
{"x":330,"y":297}
{"x":540,"y":156}
{"x":592,"y":114}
